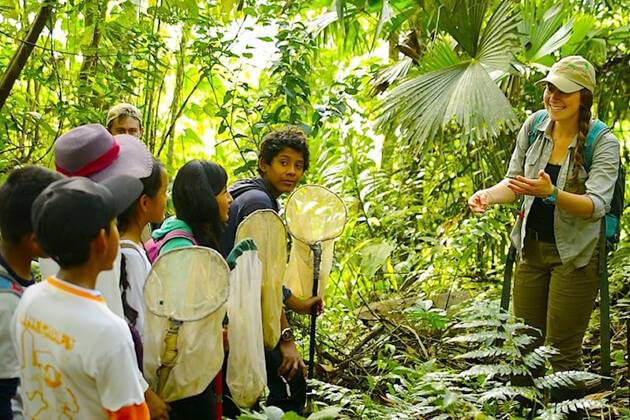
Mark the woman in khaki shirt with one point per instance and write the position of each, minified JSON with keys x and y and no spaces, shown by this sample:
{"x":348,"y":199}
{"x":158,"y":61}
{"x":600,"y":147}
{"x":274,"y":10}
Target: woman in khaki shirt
{"x":555,"y":282}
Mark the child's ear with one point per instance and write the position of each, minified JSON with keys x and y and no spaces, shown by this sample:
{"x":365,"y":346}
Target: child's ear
{"x":100,"y":242}
{"x":143,"y":202}
{"x":262,"y":165}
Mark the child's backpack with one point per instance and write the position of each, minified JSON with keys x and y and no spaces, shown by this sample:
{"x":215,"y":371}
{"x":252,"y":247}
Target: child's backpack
{"x":153,"y":247}
{"x":613,"y":227}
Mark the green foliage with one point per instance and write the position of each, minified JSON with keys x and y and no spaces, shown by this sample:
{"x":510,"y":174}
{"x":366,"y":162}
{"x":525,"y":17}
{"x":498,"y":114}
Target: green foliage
{"x":448,"y":82}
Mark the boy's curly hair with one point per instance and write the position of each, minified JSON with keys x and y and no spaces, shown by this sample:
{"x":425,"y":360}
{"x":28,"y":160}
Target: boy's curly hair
{"x":277,"y":140}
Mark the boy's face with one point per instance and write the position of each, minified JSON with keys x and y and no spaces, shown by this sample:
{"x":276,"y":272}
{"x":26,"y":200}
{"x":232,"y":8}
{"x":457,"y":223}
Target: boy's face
{"x":284,"y":172}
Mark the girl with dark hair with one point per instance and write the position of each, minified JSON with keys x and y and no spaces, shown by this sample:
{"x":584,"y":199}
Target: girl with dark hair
{"x":201,"y":203}
{"x":564,"y":199}
{"x":135,"y":266}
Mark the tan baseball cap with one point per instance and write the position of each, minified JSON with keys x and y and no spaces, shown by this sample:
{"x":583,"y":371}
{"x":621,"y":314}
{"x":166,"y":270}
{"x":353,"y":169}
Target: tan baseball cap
{"x":571,"y":74}
{"x":121,"y":110}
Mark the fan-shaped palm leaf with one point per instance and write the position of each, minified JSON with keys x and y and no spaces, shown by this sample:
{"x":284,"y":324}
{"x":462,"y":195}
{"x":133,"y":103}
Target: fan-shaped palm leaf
{"x":464,"y":27}
{"x":462,"y":93}
{"x":543,"y":28}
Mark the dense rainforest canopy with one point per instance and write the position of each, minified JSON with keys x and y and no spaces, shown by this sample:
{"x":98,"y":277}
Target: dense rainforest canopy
{"x":409,"y":106}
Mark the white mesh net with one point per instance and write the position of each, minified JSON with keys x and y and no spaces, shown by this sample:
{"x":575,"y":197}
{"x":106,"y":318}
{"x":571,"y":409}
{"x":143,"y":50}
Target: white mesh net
{"x":246,"y":375}
{"x":314,"y":214}
{"x":185,"y":293}
{"x":268,"y":232}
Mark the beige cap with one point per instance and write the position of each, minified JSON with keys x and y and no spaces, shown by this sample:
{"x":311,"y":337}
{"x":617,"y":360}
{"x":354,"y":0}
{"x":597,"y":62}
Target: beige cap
{"x":120,"y":110}
{"x":571,"y":74}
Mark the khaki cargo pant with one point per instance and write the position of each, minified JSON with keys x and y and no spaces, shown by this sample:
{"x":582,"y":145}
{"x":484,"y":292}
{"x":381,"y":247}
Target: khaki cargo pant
{"x":556,"y":299}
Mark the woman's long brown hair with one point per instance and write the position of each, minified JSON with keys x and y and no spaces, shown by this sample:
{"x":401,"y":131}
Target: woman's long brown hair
{"x":584,"y":121}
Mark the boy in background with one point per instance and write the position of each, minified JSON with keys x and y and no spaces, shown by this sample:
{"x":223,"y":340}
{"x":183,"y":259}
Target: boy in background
{"x":18,"y":248}
{"x":282,"y":160}
{"x":76,"y":357}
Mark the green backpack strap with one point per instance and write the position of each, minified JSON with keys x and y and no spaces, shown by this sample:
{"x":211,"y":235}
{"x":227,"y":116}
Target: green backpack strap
{"x":594,"y":133}
{"x":539,"y":119}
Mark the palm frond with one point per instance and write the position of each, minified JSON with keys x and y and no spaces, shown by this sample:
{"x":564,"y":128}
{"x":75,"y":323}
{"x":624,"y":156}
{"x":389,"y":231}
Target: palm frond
{"x":496,"y":43}
{"x":543,"y":25}
{"x":462,"y":19}
{"x":321,"y":22}
{"x":391,"y":74}
{"x":385,"y":15}
{"x":463,"y":93}
{"x":439,"y":55}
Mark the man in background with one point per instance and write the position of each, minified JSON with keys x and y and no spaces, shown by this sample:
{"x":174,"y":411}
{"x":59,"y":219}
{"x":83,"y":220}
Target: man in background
{"x":124,"y":119}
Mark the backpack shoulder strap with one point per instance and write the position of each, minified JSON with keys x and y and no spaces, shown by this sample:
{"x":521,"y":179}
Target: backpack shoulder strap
{"x":127,"y":245}
{"x":597,"y":129}
{"x":539,"y":119}
{"x":178,"y":233}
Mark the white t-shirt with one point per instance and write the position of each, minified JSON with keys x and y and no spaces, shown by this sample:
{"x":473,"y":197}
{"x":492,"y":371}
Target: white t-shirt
{"x":76,"y":357}
{"x":137,"y":267}
{"x":107,"y":282}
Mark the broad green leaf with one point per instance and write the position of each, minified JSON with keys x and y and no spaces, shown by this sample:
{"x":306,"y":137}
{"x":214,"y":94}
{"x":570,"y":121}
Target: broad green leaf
{"x":326,"y":413}
{"x":374,"y":257}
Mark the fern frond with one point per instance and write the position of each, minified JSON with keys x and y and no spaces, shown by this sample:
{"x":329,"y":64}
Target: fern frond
{"x":569,"y":378}
{"x":520,"y":328}
{"x":503,"y":393}
{"x":572,"y":406}
{"x":486,"y":336}
{"x":549,"y":414}
{"x":522,"y":341}
{"x":486,"y":353}
{"x":477,"y":323}
{"x":442,"y":377}
{"x":539,"y":356}
{"x":493,"y":370}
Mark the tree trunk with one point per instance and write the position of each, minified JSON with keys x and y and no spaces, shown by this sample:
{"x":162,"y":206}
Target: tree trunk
{"x":177,"y":95}
{"x":96,"y":13}
{"x":24,"y":50}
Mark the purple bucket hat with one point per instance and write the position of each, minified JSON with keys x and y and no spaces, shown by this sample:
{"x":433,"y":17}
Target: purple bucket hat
{"x":91,"y":151}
